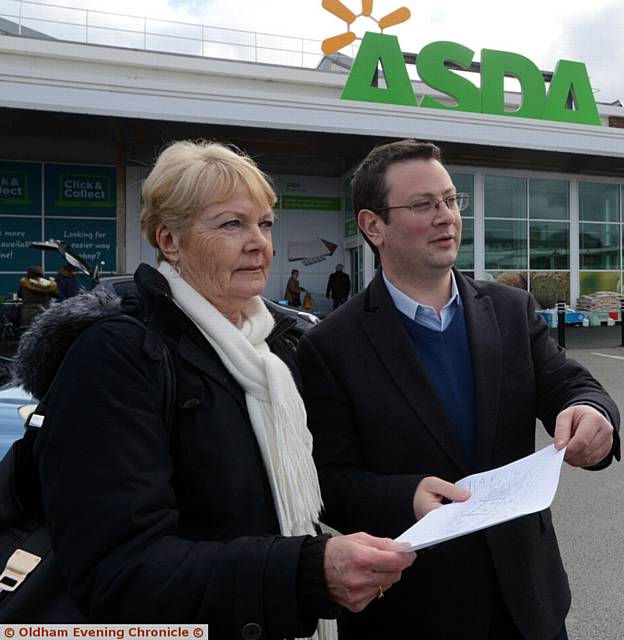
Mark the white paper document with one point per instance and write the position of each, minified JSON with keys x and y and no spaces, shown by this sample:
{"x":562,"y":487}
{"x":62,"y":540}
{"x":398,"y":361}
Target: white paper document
{"x":517,"y":489}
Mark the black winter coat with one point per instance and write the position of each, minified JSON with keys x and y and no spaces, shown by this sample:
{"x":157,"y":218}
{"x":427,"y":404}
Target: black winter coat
{"x":378,"y":424}
{"x":148,"y":529}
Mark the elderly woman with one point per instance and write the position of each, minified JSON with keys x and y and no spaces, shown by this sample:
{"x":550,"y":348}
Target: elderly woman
{"x":214,"y":522}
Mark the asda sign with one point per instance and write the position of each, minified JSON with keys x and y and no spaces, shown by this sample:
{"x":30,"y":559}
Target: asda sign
{"x":569,"y":98}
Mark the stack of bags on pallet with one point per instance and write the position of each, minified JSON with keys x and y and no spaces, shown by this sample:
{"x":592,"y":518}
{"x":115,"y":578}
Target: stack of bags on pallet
{"x":600,"y":301}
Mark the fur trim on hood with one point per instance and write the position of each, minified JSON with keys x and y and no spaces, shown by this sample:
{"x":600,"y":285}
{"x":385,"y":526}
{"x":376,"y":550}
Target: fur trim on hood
{"x":41,"y":285}
{"x":42,"y":348}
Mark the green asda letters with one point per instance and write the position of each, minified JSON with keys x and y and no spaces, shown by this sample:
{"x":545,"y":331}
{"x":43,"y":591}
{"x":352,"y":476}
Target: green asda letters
{"x":569,"y":97}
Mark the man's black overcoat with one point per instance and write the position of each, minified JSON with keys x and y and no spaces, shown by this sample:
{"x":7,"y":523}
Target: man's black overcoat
{"x":378,"y":426}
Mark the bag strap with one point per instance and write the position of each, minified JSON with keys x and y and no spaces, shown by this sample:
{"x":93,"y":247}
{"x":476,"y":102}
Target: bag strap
{"x":24,"y":560}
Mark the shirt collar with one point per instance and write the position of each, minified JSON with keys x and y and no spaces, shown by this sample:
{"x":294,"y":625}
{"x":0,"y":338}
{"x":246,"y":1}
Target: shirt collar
{"x":409,"y":306}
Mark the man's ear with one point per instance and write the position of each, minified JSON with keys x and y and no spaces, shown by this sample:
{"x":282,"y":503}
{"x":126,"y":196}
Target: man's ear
{"x":168,"y":243}
{"x":371,"y":225}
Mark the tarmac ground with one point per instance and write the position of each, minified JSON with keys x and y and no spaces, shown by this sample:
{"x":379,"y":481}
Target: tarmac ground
{"x":589,"y":337}
{"x":588,"y":510}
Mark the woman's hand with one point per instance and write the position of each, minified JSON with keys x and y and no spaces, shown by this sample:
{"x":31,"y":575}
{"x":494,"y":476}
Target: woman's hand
{"x":430,"y":493}
{"x":357,"y":565}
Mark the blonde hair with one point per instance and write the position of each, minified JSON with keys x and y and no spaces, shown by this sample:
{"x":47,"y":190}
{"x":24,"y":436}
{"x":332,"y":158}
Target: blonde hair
{"x":191,"y":175}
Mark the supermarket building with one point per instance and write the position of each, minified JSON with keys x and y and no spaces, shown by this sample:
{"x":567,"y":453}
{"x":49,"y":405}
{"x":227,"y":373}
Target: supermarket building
{"x":82,"y":119}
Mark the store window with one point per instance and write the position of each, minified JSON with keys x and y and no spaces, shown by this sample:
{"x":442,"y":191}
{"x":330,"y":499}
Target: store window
{"x":599,"y":246}
{"x":350,"y":227}
{"x":599,"y":202}
{"x":600,"y":237}
{"x":549,"y":199}
{"x":73,"y":203}
{"x":527,"y":233}
{"x":505,"y":244}
{"x":464,"y":183}
{"x":550,"y":245}
{"x":505,"y":197}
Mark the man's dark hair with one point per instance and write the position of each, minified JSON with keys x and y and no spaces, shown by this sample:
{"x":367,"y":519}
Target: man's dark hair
{"x":368,"y":184}
{"x":292,"y":273}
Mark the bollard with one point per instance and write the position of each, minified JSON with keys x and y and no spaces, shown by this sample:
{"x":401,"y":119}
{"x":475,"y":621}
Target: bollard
{"x":622,"y":321}
{"x":561,"y":305}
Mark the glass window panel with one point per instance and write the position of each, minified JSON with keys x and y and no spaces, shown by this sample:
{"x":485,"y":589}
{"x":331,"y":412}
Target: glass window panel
{"x":549,"y":199}
{"x":549,"y":245}
{"x":465,"y":257}
{"x":464,"y":183}
{"x":517,"y":279}
{"x":549,"y":288}
{"x":599,"y":246}
{"x":505,"y":244}
{"x":9,"y":8}
{"x":599,"y":202}
{"x":505,"y":197}
{"x":590,"y":282}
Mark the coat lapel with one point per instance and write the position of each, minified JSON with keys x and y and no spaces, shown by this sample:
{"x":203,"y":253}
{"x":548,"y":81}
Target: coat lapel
{"x":487,"y":365}
{"x":192,"y":346}
{"x":382,"y":324}
{"x":205,"y":358}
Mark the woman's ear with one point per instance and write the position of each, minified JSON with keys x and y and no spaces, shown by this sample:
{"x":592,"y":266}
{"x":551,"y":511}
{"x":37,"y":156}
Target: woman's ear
{"x":168,"y":243}
{"x":371,"y":225}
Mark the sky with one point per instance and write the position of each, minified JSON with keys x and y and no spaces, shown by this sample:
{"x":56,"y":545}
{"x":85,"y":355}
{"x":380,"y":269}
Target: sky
{"x":544,"y":31}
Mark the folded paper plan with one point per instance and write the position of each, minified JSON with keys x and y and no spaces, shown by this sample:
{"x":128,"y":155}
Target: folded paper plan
{"x":517,"y":489}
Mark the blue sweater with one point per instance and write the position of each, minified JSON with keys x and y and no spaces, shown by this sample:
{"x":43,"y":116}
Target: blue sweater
{"x":445,"y":356}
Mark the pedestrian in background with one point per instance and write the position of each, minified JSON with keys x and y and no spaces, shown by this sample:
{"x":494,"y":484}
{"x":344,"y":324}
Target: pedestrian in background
{"x":66,"y":281}
{"x":293,"y":289}
{"x":35,"y":291}
{"x":338,"y":286}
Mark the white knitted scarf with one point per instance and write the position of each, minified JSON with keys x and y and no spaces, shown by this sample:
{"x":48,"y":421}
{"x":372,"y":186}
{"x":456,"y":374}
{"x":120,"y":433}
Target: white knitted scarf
{"x":275,"y":408}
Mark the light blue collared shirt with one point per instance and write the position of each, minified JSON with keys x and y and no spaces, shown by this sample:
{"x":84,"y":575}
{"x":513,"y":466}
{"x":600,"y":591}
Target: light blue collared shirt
{"x":421,"y":313}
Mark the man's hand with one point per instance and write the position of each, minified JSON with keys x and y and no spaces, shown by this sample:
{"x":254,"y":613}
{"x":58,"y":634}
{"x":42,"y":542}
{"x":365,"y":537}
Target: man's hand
{"x":356,"y":566}
{"x":587,"y":434}
{"x":430,"y":493}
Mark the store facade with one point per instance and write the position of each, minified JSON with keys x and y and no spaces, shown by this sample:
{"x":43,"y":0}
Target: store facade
{"x":547,"y":196}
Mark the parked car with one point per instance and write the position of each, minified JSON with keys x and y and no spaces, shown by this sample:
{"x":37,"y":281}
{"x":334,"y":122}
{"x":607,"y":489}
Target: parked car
{"x":13,"y":402}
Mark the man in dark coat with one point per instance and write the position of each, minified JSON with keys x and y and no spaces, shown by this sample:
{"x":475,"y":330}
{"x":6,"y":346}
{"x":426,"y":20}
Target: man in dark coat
{"x":430,"y":372}
{"x":338,"y":286}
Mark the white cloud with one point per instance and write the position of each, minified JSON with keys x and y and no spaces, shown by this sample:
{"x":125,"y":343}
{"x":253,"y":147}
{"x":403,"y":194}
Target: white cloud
{"x":598,"y":39}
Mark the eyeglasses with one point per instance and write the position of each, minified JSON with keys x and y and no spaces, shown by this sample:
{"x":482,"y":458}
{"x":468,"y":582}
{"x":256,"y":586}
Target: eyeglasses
{"x":457,"y":202}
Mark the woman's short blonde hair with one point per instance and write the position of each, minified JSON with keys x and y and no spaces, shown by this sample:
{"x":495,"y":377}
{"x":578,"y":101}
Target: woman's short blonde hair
{"x":192,"y":175}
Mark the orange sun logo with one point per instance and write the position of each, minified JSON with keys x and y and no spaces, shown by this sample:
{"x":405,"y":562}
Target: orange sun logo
{"x":335,"y":43}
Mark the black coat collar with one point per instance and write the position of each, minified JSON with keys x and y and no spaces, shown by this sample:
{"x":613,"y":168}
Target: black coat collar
{"x":164,"y":318}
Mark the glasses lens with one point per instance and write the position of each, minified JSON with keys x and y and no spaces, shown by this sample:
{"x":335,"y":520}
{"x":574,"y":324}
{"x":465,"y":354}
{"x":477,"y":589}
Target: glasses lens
{"x":463,"y":200}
